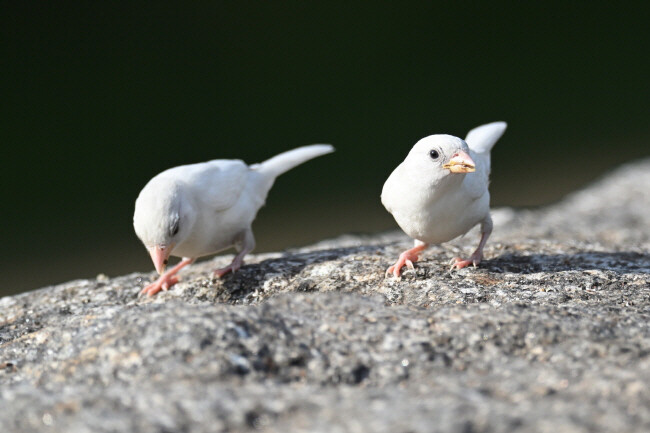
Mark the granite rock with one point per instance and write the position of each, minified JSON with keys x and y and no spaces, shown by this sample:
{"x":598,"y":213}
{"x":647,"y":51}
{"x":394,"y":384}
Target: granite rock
{"x":550,"y":333}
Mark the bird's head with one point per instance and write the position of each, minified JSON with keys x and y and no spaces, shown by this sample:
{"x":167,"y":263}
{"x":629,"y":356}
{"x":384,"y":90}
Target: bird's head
{"x":161,"y":220}
{"x":441,"y":156}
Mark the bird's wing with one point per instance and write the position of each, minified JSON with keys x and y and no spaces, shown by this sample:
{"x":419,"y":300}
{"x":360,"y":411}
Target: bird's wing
{"x":480,"y":141}
{"x":476,"y":184}
{"x":217,"y":183}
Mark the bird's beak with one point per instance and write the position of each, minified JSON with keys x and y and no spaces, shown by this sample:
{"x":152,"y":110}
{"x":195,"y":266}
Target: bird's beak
{"x":460,"y":162}
{"x":160,"y":256}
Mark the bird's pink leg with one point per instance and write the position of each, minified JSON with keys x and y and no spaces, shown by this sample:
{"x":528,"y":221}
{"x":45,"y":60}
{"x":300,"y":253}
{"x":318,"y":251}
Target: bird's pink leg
{"x":477,"y":256}
{"x":406,"y":259}
{"x":245,"y":246}
{"x":166,"y":280}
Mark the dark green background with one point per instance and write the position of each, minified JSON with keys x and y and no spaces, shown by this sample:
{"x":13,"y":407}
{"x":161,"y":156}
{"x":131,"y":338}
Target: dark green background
{"x":97,"y":98}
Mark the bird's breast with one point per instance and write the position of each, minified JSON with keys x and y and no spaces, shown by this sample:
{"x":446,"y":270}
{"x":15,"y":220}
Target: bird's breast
{"x":442,"y":219}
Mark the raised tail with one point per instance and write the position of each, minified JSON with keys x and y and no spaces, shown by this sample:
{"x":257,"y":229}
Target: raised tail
{"x":274,"y":167}
{"x":482,"y":138}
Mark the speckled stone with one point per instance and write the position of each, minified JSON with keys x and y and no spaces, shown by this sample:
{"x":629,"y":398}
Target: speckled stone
{"x":550,"y":334}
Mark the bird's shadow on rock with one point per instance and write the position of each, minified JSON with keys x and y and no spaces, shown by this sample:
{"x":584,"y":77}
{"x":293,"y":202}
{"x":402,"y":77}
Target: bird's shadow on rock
{"x":619,"y":262}
{"x":252,"y":276}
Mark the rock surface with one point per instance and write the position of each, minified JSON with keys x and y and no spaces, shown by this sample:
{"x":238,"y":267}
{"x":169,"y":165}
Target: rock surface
{"x":550,"y":334}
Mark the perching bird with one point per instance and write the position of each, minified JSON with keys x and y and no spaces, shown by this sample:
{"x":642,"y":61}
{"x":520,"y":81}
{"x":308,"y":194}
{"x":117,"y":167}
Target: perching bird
{"x":200,"y":209}
{"x":440,"y":192}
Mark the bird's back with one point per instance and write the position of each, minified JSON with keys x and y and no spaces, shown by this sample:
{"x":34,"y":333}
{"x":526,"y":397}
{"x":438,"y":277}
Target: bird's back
{"x":217,"y":183}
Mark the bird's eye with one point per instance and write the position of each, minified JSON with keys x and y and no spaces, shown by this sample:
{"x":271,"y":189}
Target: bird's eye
{"x":174,"y":228}
{"x":434,"y":154}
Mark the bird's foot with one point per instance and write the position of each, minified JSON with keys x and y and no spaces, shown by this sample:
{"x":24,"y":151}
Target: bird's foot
{"x":405,"y":259}
{"x":164,"y":282}
{"x":458,"y":263}
{"x":233,"y":267}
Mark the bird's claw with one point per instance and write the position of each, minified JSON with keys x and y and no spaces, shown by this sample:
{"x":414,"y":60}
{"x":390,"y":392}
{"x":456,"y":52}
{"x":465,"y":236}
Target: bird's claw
{"x":393,"y":270}
{"x":458,"y":263}
{"x":405,"y":259}
{"x":163,"y":283}
{"x":233,"y":267}
{"x":221,"y":272}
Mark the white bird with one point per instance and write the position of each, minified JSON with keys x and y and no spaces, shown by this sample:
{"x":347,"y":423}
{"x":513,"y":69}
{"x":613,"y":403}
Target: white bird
{"x":440,"y":192}
{"x":195,"y":210}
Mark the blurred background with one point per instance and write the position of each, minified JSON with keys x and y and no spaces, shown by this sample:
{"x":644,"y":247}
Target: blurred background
{"x":97,"y":98}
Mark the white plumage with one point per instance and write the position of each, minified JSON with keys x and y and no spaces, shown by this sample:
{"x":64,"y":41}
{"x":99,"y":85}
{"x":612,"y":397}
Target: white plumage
{"x":200,"y":209}
{"x":440,"y":191}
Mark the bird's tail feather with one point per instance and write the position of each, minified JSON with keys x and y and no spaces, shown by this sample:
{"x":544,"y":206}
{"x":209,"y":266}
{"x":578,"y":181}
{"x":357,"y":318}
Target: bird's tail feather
{"x":482,"y":138}
{"x":273,"y":167}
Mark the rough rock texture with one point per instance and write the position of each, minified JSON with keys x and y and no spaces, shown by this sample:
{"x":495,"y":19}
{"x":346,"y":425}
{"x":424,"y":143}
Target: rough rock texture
{"x":550,"y":334}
